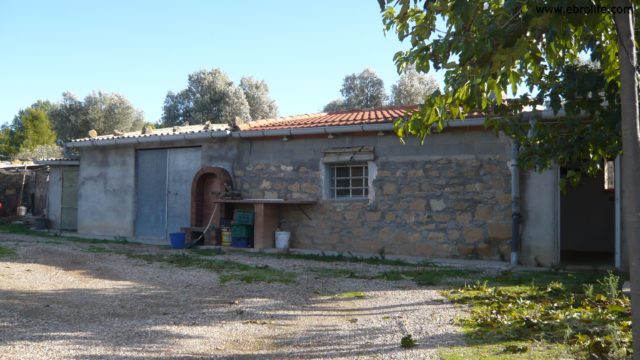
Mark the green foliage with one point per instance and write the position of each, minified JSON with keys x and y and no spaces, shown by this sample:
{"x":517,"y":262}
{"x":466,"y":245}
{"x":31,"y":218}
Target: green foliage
{"x":30,"y":130}
{"x":407,"y":342}
{"x":489,"y":48}
{"x":261,"y":106}
{"x":515,"y":349}
{"x":8,"y":143}
{"x":35,"y":130}
{"x":412,"y":87}
{"x":335,"y":106}
{"x":212,"y":96}
{"x":48,"y":151}
{"x":360,"y":91}
{"x":595,"y":325}
{"x":100,"y":111}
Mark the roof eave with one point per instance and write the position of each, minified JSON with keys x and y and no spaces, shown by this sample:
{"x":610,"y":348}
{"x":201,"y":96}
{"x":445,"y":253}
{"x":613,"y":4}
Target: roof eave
{"x":149,"y":139}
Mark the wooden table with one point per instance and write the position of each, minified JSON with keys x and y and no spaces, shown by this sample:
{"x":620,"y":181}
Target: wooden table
{"x":267,"y":218}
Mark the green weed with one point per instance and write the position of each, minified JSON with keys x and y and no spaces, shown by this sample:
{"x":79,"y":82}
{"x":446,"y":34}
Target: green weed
{"x":229,"y":270}
{"x":340,"y":257}
{"x":21,"y":229}
{"x":335,"y":273}
{"x":407,"y":342}
{"x":352,"y":295}
{"x":7,"y":252}
{"x":593,"y":324}
{"x":430,"y":276}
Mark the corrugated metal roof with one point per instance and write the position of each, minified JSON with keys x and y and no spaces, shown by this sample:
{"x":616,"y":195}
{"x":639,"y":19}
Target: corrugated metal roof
{"x":58,"y":161}
{"x":188,"y":129}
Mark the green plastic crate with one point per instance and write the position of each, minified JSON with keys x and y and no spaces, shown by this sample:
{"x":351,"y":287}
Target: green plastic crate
{"x":241,"y":231}
{"x":243,"y":217}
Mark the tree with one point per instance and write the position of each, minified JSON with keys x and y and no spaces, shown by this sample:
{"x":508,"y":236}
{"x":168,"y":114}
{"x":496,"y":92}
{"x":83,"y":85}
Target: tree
{"x":34,"y":130}
{"x":335,"y":106}
{"x":107,"y":113}
{"x":48,"y":151}
{"x":29,"y":129}
{"x":212,"y":96}
{"x":103,"y":112}
{"x":412,"y":87}
{"x":8,"y":144}
{"x":489,"y":47}
{"x":261,"y":106}
{"x":360,"y":91}
{"x":363,"y":91}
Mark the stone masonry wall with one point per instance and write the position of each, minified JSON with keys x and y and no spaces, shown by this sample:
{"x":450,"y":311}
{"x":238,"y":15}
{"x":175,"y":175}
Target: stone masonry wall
{"x":433,"y":206}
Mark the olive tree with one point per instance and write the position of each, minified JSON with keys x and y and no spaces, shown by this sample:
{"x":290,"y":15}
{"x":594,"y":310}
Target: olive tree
{"x":488,"y":48}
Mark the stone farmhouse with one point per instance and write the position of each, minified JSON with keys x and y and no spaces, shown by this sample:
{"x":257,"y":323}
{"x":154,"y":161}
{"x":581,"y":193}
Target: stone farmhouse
{"x":340,"y":182}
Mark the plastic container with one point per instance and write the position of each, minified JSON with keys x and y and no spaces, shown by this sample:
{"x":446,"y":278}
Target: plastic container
{"x":177,"y":240}
{"x":282,"y":239}
{"x":243,"y":217}
{"x":22,"y":210}
{"x":226,"y":238}
{"x":240,"y":242}
{"x":241,"y":231}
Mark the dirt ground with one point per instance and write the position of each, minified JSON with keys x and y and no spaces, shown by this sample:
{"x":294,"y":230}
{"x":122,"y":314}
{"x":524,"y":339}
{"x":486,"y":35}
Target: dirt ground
{"x":61,"y":300}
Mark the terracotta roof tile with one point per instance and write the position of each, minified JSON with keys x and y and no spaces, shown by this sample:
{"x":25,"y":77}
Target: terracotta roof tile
{"x":345,"y":118}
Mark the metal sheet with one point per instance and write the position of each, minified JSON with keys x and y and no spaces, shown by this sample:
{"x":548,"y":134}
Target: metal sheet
{"x":183,"y":164}
{"x":69,"y":201}
{"x":151,"y":189}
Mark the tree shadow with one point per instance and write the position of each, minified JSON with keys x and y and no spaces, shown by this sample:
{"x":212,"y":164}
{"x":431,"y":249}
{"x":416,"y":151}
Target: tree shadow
{"x":149,"y":306}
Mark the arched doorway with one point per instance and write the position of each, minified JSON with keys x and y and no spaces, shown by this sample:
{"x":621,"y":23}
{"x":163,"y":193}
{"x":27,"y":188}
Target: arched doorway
{"x":208,"y":185}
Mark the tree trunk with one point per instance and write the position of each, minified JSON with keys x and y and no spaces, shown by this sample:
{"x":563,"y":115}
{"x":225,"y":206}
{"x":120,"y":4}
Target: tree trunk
{"x":630,"y":160}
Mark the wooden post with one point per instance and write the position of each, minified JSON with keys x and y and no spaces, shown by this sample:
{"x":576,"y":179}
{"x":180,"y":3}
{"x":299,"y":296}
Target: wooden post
{"x":265,"y":225}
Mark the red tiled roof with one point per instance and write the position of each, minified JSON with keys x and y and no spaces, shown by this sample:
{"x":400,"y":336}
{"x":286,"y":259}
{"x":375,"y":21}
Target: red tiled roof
{"x":344,"y":118}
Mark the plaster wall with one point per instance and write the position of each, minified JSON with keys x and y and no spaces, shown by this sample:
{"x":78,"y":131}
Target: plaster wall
{"x":540,"y":228}
{"x":447,"y":198}
{"x":106,"y":191}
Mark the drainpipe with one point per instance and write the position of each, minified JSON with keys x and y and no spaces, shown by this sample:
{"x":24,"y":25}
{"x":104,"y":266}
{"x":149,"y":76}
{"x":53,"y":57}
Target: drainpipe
{"x":515,"y":204}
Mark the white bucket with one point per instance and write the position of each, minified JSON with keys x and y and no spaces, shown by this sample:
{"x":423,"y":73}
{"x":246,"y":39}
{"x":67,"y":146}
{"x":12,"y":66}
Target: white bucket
{"x":22,"y":210}
{"x":282,"y":239}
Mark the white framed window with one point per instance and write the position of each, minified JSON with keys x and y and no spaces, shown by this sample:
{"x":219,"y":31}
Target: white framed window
{"x":349,"y":180}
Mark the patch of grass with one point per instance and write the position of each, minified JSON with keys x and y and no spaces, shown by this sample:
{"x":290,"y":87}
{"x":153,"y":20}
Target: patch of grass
{"x":6,"y":252}
{"x":352,"y":295}
{"x":407,"y":342}
{"x":206,"y":252}
{"x":571,"y":280}
{"x":374,"y":260}
{"x":431,"y":276}
{"x":490,"y":351}
{"x":228,"y":270}
{"x":590,"y":321}
{"x":334,"y":273}
{"x":21,"y":229}
{"x":98,"y":249}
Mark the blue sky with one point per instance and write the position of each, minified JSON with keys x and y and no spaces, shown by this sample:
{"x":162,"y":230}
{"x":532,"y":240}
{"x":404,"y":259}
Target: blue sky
{"x":142,"y":49}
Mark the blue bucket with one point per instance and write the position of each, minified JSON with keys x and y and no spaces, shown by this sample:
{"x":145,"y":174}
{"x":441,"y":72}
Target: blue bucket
{"x":177,"y":240}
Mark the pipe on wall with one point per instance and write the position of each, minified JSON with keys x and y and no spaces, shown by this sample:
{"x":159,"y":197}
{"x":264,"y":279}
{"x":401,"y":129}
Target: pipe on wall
{"x":516,"y":217}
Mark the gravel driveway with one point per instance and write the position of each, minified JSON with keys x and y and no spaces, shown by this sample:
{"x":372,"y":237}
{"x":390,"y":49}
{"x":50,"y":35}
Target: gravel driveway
{"x":59,"y":300}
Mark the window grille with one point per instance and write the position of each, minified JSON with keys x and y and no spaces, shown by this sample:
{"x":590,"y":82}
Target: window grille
{"x":349,"y":181}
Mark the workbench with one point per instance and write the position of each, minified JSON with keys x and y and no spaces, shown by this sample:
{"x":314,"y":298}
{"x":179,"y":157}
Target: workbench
{"x":267,"y":217}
